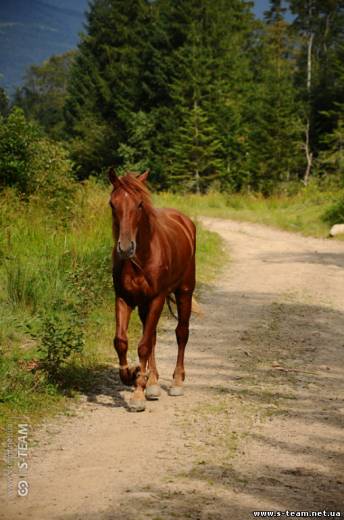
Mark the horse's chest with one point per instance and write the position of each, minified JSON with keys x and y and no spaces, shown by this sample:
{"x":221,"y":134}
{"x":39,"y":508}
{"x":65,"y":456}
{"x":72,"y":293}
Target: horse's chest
{"x":134,"y":283}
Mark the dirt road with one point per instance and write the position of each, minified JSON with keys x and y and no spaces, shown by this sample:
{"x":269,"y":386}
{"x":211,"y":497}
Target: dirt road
{"x":260,"y":426}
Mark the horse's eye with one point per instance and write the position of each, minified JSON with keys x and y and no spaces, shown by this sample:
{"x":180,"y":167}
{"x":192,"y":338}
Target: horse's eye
{"x":140,"y":204}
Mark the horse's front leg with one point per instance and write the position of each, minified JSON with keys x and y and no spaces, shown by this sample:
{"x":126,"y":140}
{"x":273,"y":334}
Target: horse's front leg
{"x":152,"y":387}
{"x":123,"y":312}
{"x":137,"y":403}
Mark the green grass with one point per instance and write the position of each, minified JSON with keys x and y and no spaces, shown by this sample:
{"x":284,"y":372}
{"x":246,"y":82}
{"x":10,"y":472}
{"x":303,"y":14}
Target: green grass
{"x":210,"y":256}
{"x":53,"y":272}
{"x":303,"y":212}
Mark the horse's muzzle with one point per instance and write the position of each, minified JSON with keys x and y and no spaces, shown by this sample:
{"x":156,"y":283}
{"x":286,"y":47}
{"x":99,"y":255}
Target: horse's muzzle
{"x":126,"y":252}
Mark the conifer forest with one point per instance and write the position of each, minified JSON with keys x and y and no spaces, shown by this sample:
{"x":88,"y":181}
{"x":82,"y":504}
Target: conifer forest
{"x":201,"y":92}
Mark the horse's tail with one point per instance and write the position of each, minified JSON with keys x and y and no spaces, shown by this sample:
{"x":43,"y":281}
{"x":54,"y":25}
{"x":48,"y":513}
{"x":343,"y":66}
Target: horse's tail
{"x":171,"y":299}
{"x":195,"y":309}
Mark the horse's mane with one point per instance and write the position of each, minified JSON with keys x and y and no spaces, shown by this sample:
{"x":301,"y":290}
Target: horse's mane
{"x":136,"y":188}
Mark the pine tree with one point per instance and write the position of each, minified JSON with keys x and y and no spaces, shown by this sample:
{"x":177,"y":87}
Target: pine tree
{"x":136,"y":152}
{"x":331,"y":155}
{"x":193,"y":143}
{"x":331,"y":159}
{"x":232,"y":43}
{"x":276,"y":136}
{"x":4,"y":103}
{"x":195,"y":161}
{"x":210,"y":70}
{"x":106,"y":86}
{"x":320,"y":25}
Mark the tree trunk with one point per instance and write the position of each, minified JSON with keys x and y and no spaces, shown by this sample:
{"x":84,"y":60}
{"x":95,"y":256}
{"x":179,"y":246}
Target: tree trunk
{"x":309,"y":153}
{"x":197,"y":183}
{"x":309,"y":62}
{"x":198,"y":190}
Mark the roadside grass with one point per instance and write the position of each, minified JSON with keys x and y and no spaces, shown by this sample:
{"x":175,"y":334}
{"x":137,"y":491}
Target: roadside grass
{"x":303,"y":212}
{"x":51,"y":272}
{"x":211,"y":256}
{"x":56,"y":285}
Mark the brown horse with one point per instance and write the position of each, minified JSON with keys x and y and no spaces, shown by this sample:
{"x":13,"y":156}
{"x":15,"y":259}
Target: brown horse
{"x":153,"y":256}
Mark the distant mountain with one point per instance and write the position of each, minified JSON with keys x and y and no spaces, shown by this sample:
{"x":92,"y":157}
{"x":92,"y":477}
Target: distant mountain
{"x":77,"y":5}
{"x":33,"y":30}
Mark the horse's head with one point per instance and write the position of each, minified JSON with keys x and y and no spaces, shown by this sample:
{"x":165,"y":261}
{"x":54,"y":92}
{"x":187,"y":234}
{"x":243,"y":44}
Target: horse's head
{"x":127,"y":199}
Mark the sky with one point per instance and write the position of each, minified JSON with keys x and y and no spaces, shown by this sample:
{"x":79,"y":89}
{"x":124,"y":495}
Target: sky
{"x":261,"y":6}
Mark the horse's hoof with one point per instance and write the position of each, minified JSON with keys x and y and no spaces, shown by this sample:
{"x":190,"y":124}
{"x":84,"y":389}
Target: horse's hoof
{"x":176,"y":391}
{"x":136,"y":405}
{"x":153,"y":392}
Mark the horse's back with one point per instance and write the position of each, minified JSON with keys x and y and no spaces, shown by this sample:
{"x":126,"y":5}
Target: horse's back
{"x":177,"y":226}
{"x":169,"y":216}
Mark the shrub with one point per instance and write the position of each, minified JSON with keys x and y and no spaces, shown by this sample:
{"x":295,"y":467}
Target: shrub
{"x":59,"y":340}
{"x":17,"y":137}
{"x":335,"y":214}
{"x":52,"y":179}
{"x":33,"y":164}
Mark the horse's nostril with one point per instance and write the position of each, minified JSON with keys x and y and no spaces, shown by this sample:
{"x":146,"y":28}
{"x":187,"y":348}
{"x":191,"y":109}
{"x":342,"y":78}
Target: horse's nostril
{"x":128,"y":251}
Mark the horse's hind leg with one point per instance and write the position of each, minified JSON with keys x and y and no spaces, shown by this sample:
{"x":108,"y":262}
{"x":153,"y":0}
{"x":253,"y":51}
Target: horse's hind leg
{"x":184,"y":304}
{"x":152,"y":388}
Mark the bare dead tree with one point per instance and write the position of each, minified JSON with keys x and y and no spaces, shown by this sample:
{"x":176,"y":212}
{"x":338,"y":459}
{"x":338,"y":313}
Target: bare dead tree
{"x":310,"y":40}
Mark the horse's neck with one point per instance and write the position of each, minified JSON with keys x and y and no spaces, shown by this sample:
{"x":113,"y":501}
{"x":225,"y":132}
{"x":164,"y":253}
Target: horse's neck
{"x":146,"y":235}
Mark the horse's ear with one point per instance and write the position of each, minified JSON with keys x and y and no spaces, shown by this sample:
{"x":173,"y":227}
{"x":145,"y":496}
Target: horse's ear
{"x":112,"y":176}
{"x":143,"y":176}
